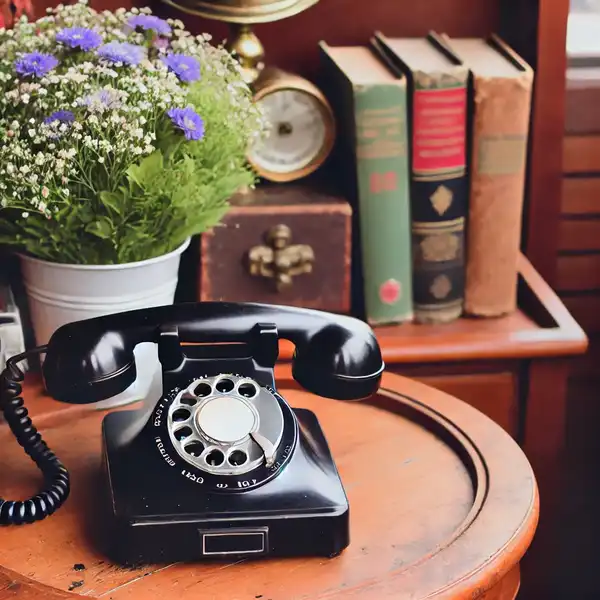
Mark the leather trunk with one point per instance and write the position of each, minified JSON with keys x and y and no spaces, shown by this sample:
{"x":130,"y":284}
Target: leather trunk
{"x":280,"y":244}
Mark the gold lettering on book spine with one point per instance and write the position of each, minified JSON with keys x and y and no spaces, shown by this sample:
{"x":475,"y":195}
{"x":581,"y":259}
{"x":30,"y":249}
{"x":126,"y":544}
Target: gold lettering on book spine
{"x":429,"y":81}
{"x":441,"y":199}
{"x":379,"y":133}
{"x":441,"y":287}
{"x":440,"y":247}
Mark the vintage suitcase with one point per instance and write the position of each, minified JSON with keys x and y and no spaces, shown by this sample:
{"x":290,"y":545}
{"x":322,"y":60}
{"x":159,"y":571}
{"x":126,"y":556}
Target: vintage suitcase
{"x":280,"y":244}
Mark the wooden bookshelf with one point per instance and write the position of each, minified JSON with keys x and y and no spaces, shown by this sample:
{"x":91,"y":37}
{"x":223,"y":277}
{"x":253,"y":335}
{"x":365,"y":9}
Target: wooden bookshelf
{"x":541,"y":327}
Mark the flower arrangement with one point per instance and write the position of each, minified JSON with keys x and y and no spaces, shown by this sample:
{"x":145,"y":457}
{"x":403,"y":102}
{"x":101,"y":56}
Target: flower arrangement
{"x":121,"y":134}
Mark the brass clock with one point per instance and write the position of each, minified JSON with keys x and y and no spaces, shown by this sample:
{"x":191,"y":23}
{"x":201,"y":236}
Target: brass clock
{"x":302,"y":128}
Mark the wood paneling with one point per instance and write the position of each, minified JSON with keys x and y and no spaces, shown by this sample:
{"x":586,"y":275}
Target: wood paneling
{"x":580,"y":195}
{"x":587,"y":366}
{"x":582,"y":99}
{"x":544,"y":443}
{"x":292,"y":43}
{"x":578,"y":273}
{"x":494,"y":394}
{"x":579,"y":234}
{"x":581,"y":154}
{"x":585,"y":309}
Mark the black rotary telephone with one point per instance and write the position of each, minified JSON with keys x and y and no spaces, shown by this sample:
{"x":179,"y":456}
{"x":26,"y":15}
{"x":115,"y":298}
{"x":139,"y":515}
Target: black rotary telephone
{"x":220,"y":466}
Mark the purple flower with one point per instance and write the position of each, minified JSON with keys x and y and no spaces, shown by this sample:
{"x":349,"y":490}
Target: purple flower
{"x":35,"y":63}
{"x":187,"y":68}
{"x":188,"y":121}
{"x":122,"y":52}
{"x":79,"y":37}
{"x":149,"y":23}
{"x":62,"y":116}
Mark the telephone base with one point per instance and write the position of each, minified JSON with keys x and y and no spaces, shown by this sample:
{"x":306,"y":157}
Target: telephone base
{"x":157,"y":516}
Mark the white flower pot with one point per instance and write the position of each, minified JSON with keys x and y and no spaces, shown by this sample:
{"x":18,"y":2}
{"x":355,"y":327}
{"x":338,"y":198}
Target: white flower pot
{"x":62,"y":293}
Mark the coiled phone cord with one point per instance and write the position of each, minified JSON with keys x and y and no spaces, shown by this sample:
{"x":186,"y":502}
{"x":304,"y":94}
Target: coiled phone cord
{"x":56,"y":476}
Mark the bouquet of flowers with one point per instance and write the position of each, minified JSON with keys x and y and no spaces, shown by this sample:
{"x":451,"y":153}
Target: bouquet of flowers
{"x":121,"y":134}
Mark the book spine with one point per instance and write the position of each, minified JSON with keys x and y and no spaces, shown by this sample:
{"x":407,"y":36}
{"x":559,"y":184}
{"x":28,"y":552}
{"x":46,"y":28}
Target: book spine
{"x":382,"y":167}
{"x":439,"y":194}
{"x":498,"y":161}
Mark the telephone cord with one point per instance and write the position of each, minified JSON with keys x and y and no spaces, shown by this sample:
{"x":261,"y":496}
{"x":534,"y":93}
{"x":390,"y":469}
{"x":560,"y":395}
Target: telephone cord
{"x":56,"y":476}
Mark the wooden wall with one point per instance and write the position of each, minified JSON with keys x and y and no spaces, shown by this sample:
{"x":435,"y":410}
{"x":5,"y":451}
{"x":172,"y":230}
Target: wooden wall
{"x":578,"y":284}
{"x":578,"y":260}
{"x":292,"y":43}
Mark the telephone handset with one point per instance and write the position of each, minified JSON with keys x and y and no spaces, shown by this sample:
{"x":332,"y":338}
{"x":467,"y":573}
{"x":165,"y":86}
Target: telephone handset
{"x":219,"y":465}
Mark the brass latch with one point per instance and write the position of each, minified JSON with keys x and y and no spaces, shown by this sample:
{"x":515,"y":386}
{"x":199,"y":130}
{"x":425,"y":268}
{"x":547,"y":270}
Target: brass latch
{"x":278,"y":259}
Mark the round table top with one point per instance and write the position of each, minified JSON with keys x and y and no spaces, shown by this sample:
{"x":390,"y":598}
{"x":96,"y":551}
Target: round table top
{"x":443,"y":504}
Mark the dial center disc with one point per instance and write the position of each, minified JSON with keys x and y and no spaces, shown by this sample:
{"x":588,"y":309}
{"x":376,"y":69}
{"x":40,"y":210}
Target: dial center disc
{"x":226,"y":419}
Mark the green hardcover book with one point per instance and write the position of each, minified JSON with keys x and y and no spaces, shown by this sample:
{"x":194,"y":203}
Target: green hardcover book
{"x":372,"y":163}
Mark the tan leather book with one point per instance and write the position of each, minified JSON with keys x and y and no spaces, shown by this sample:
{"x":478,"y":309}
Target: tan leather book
{"x":500,"y":99}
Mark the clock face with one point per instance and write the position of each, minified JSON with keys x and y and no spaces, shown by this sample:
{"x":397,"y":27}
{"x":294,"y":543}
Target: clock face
{"x":298,"y":132}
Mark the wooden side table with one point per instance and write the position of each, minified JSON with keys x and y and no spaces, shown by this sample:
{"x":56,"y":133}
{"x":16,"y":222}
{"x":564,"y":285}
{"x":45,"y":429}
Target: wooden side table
{"x":515,"y":370}
{"x":444,"y":504}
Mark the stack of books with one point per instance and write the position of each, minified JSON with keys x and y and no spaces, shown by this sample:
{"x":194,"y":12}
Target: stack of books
{"x":432,"y":147}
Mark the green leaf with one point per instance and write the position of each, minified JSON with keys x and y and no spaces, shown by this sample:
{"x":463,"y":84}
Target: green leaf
{"x":143,"y":173}
{"x":101,"y":228}
{"x":113,"y":200}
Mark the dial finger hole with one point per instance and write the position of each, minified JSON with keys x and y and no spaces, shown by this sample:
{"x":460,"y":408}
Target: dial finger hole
{"x":224,"y":385}
{"x":188,"y":399}
{"x":182,"y":433}
{"x":181,"y":414}
{"x":194,"y":448}
{"x":214,"y":458}
{"x":202,"y":390}
{"x":237,"y":458}
{"x":247,"y":389}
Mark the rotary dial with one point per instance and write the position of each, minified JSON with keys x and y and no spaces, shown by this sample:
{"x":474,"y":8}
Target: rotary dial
{"x":225,"y":425}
